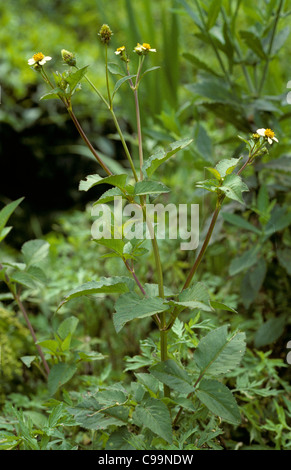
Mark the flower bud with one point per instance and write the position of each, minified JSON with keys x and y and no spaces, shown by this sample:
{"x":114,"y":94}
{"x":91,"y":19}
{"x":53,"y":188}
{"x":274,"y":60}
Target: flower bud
{"x":68,"y":57}
{"x":105,"y":34}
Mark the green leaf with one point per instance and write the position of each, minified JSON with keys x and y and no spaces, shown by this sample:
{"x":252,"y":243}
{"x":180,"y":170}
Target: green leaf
{"x":120,"y":82}
{"x":35,"y":251}
{"x":233,"y":187}
{"x":119,"y":440}
{"x":29,"y":279}
{"x":108,"y":196}
{"x":59,"y":375}
{"x":254,"y":43}
{"x":115,"y":69}
{"x":279,"y":220}
{"x":213,"y":12}
{"x":90,"y":414}
{"x":53,"y":94}
{"x":110,"y":285}
{"x":68,"y":326}
{"x":150,"y":187}
{"x":216,"y":354}
{"x":7,"y":211}
{"x":238,"y":221}
{"x":245,"y":261}
{"x":252,"y":282}
{"x":154,"y":415}
{"x":199,"y":64}
{"x":4,"y":232}
{"x":74,"y":78}
{"x":153,"y":162}
{"x":130,"y":306}
{"x":284,"y":258}
{"x":225,"y":167}
{"x":221,"y":306}
{"x":150,"y":70}
{"x":171,"y":374}
{"x":269,"y":332}
{"x":195,"y":296}
{"x":219,"y":400}
{"x":94,"y":180}
{"x":28,"y":360}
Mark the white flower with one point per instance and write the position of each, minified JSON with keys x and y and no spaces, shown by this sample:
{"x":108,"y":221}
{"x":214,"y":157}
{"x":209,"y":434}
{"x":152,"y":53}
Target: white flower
{"x":39,"y":59}
{"x":120,"y":50}
{"x":268,"y":134}
{"x":142,"y":49}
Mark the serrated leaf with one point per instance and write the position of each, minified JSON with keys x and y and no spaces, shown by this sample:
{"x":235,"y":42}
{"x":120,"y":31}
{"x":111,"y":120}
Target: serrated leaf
{"x":53,"y":94}
{"x":233,"y":187}
{"x":170,"y":373}
{"x":109,"y":196}
{"x":90,"y":414}
{"x":154,"y":414}
{"x":219,"y":400}
{"x":35,"y":251}
{"x":153,"y":162}
{"x":74,"y":78}
{"x":93,"y":180}
{"x":225,"y":167}
{"x":111,"y":285}
{"x":150,"y":187}
{"x":216,"y":354}
{"x":130,"y":306}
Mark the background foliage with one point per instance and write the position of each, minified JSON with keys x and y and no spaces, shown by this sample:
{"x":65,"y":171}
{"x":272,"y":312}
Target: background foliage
{"x":219,"y":77}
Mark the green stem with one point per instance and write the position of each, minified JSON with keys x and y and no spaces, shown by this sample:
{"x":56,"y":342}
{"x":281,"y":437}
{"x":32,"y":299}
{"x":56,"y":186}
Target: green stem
{"x":269,"y":53}
{"x":107,"y":78}
{"x":124,"y":144}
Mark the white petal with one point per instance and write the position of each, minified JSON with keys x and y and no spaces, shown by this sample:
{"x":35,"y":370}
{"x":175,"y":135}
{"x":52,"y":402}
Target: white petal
{"x":31,"y":61}
{"x":47,"y":58}
{"x":275,"y":139}
{"x":270,"y":140}
{"x":42,"y":62}
{"x":261,"y":132}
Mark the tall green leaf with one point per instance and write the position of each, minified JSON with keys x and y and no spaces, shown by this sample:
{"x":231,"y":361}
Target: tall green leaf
{"x":154,"y":414}
{"x":130,"y":306}
{"x":216,"y":354}
{"x":219,"y":400}
{"x":171,"y":374}
{"x":110,"y":285}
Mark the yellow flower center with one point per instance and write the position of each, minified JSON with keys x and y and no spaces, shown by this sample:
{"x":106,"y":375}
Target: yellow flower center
{"x":39,"y":56}
{"x":269,"y":133}
{"x":120,"y":49}
{"x":146,"y":45}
